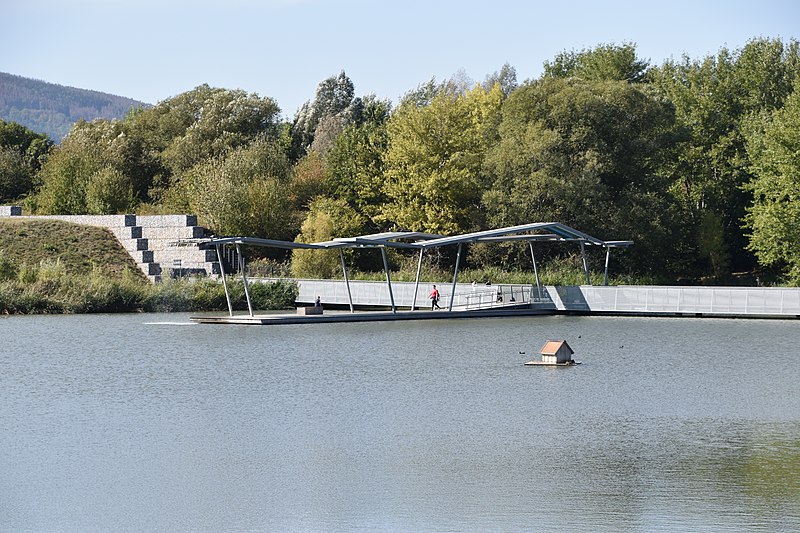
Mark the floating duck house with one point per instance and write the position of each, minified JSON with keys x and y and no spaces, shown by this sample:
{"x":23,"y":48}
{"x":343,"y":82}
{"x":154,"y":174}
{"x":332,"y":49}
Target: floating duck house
{"x":555,"y":353}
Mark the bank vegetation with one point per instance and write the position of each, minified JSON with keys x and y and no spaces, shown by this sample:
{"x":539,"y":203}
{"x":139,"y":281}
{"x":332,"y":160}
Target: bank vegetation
{"x":57,"y":267}
{"x":694,"y":159}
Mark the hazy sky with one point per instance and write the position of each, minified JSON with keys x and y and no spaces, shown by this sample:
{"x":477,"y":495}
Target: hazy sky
{"x":151,"y":50}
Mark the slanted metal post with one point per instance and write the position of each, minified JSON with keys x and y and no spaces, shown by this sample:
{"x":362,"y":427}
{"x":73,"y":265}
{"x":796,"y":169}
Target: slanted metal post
{"x":416,"y":281}
{"x":224,"y":282}
{"x":585,"y":264}
{"x":346,"y":281}
{"x":244,"y":279}
{"x":388,"y":279}
{"x":605,"y":272}
{"x":455,"y":277}
{"x":535,"y":271}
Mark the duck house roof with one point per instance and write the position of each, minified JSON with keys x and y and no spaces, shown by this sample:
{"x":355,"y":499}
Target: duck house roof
{"x":552,"y":347}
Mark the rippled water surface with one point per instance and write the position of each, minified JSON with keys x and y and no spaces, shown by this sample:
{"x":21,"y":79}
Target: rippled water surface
{"x":149,"y":423}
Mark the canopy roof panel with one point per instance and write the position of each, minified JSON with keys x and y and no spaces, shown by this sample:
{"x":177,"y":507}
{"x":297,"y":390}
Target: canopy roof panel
{"x":537,"y":231}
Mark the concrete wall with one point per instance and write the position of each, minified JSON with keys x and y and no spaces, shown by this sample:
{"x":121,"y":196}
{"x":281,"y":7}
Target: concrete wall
{"x":643,"y":300}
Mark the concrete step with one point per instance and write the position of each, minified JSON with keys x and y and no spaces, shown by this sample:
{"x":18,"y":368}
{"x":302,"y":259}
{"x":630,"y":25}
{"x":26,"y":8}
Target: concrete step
{"x":172,"y":233}
{"x":166,"y":221}
{"x":103,"y":221}
{"x":150,"y":269}
{"x":192,"y":255}
{"x":126,"y":232}
{"x":134,"y":245}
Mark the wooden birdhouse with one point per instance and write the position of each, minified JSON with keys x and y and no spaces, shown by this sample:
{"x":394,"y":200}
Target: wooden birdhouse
{"x":556,"y":352}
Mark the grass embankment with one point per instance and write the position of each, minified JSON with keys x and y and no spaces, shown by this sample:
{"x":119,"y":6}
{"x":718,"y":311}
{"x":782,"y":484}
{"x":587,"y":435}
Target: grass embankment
{"x":49,"y":266}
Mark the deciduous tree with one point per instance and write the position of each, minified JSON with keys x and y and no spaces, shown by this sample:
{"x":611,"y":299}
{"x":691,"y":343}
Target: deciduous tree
{"x":434,"y":178}
{"x":774,"y":217}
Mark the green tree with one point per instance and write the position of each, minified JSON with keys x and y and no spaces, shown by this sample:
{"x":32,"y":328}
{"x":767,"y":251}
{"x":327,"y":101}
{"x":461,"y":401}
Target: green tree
{"x":309,"y":179}
{"x":713,"y":98}
{"x":605,"y":62}
{"x":327,"y":218}
{"x":182,"y":131}
{"x":433,"y":178}
{"x":586,"y":154}
{"x":109,"y":191}
{"x":355,"y":164}
{"x":244,"y":193}
{"x":92,"y":151}
{"x":774,"y":217}
{"x":21,"y":154}
{"x":333,"y":107}
{"x":506,"y":77}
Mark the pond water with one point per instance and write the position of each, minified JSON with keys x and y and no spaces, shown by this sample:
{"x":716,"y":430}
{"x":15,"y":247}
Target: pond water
{"x":146,"y":422}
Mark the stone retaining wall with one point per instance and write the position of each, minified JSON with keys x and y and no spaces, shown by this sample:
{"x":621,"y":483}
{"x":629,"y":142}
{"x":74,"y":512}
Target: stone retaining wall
{"x":149,"y":239}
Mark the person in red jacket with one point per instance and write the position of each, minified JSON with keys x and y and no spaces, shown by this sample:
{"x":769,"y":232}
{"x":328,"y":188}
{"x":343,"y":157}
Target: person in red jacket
{"x":434,"y":296}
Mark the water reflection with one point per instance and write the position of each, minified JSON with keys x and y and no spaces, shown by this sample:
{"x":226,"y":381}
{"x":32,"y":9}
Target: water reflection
{"x":124,"y":423}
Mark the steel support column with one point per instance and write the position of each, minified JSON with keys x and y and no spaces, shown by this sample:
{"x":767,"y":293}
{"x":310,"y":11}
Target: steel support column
{"x":346,"y":281}
{"x":535,"y":271}
{"x":416,"y":280}
{"x":605,"y":271}
{"x":585,"y":263}
{"x":244,"y":279}
{"x":224,"y":282}
{"x":455,"y":277}
{"x":388,"y":279}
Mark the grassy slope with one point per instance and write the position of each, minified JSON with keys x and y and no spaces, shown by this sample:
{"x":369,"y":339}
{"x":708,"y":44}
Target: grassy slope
{"x":80,"y":249}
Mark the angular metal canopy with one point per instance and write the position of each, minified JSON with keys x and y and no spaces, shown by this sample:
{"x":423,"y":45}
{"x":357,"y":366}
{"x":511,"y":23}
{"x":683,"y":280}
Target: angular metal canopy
{"x":534,"y":232}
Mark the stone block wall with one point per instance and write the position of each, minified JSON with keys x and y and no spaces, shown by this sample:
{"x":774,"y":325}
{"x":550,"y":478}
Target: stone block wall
{"x":151,"y":240}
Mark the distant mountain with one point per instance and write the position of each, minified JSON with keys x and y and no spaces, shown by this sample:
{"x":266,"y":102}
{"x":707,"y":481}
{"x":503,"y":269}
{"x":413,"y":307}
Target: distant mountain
{"x":53,"y":109}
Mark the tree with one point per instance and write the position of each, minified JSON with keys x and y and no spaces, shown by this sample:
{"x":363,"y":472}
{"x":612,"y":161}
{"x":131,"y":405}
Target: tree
{"x":209,"y":122}
{"x":774,"y":217}
{"x":355,"y":163}
{"x":506,"y":77}
{"x":309,"y":179}
{"x":586,"y":154}
{"x":21,"y":154}
{"x":244,"y":193}
{"x":92,"y":151}
{"x":433,"y":177}
{"x":206,"y":122}
{"x":606,"y":62}
{"x":334,"y":100}
{"x":713,"y":98}
{"x":327,"y":218}
{"x":108,"y":191}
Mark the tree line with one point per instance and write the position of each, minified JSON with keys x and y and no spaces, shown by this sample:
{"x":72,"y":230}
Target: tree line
{"x":696,"y":160}
{"x":52,"y":109}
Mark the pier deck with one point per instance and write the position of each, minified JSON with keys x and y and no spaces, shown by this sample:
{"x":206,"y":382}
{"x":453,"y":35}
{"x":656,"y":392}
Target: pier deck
{"x":363,"y":316}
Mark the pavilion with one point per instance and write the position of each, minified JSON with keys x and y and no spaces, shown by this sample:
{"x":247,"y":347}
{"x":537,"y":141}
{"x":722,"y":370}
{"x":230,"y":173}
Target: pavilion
{"x":530,"y":233}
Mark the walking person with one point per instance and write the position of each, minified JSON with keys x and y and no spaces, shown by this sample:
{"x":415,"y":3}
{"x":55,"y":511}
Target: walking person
{"x":434,"y":296}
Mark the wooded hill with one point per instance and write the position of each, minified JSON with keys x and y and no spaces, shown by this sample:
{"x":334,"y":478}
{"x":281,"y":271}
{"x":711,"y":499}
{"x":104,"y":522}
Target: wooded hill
{"x":52,"y":109}
{"x":695,"y":160}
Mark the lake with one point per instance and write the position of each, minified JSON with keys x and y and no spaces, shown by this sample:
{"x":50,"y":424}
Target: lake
{"x":146,"y":422}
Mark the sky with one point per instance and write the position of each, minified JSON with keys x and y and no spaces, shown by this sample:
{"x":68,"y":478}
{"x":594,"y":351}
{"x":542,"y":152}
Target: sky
{"x":151,"y":50}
